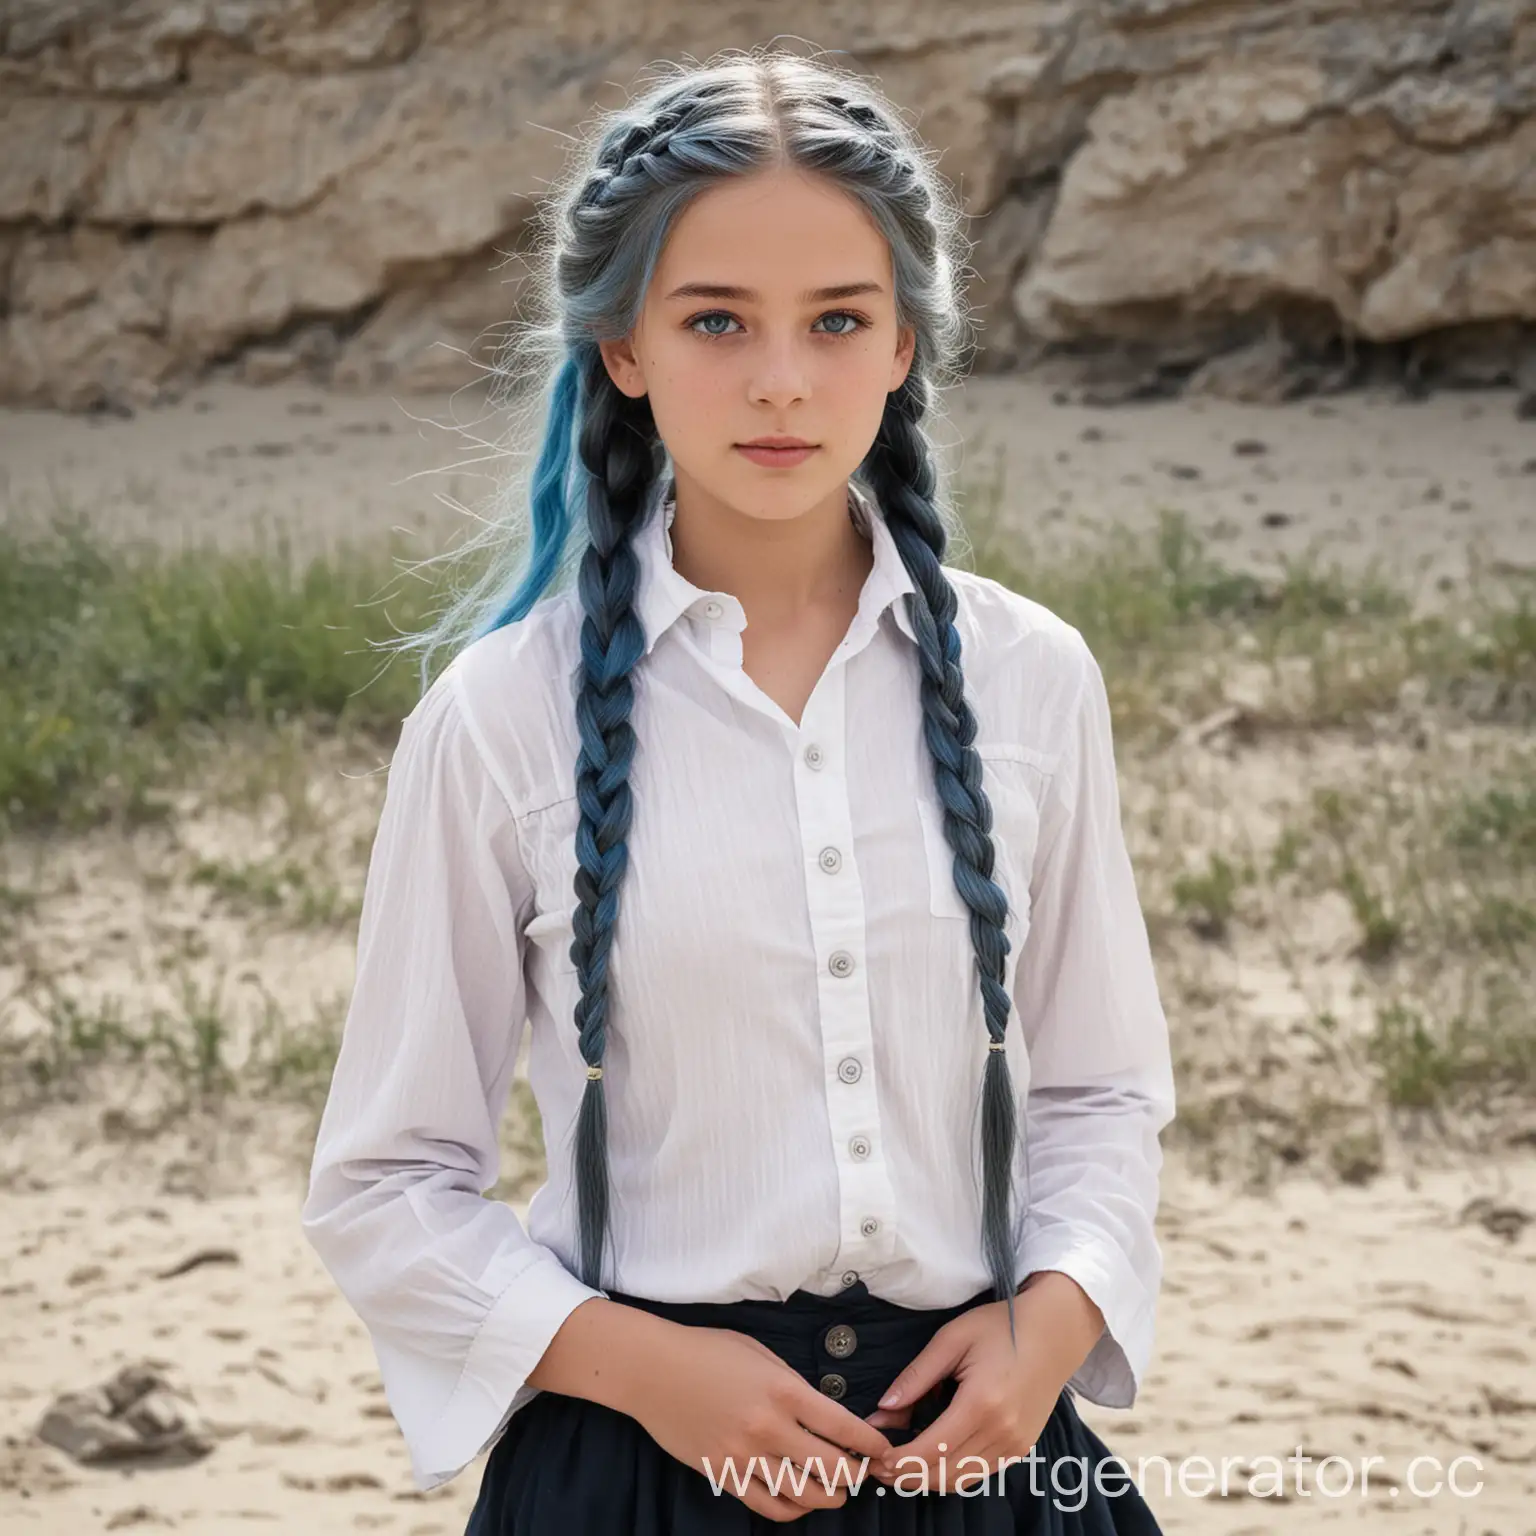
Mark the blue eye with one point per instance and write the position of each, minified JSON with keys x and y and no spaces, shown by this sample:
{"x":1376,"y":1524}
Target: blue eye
{"x":859,"y":322}
{"x":846,"y":314}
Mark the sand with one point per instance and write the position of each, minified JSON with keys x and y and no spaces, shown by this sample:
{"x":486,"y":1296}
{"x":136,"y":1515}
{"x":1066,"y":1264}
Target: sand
{"x":1392,"y":1320}
{"x":1388,"y":1322}
{"x":1422,"y":487}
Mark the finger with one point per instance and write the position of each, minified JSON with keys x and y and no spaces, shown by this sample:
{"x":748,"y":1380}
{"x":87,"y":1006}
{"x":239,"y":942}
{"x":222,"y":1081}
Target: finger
{"x":935,"y":1361}
{"x":887,"y":1418}
{"x":956,"y":1462}
{"x":974,"y":1467}
{"x":756,"y":1497}
{"x":827,"y":1418}
{"x":814,"y":1472}
{"x":808,"y":1483}
{"x":832,"y":1465}
{"x":945,"y":1472}
{"x":957,"y":1424}
{"x":819,"y":1414}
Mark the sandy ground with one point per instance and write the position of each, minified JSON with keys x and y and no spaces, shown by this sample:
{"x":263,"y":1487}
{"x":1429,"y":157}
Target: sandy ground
{"x":1421,"y":487}
{"x":1394,"y":1321}
{"x":1387,"y":1323}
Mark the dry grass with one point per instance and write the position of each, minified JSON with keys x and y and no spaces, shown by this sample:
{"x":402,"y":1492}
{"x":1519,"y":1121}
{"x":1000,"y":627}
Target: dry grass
{"x":1331,"y":800}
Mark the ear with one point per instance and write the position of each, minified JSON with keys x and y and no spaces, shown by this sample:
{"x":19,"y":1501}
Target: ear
{"x":901,"y":364}
{"x":623,"y":366}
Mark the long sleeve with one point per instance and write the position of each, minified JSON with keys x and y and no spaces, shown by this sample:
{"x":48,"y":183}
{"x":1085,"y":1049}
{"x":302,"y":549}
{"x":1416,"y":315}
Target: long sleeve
{"x":1101,"y":1078}
{"x":459,"y":1301}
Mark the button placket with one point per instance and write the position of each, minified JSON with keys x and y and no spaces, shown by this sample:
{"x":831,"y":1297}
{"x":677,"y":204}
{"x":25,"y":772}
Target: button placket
{"x":835,"y":899}
{"x":837,"y":1343}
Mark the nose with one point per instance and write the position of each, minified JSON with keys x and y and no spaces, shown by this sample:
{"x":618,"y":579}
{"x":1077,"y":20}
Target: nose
{"x":780,"y":377}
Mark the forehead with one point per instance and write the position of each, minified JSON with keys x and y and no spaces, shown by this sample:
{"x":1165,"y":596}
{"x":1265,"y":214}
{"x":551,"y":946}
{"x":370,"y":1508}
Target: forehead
{"x":779,"y":232}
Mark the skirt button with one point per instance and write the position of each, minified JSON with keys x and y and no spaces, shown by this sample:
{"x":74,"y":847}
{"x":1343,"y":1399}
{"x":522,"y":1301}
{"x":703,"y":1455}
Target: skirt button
{"x":841,"y":1341}
{"x":834,"y":1385}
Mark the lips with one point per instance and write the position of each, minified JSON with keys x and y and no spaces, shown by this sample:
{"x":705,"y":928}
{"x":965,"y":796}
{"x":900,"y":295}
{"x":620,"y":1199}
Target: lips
{"x":775,"y":458}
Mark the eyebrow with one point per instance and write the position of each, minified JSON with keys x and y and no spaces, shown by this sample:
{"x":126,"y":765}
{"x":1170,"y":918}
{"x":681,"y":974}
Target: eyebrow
{"x":751,"y":296}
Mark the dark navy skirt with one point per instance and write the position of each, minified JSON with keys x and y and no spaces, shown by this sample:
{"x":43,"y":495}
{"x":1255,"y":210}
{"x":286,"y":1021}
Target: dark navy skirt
{"x":566,"y":1466}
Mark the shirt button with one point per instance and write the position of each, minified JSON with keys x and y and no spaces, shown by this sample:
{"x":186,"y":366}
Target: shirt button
{"x":850,"y":1277}
{"x":712,"y":609}
{"x":858,"y":1147}
{"x":869,"y":1226}
{"x":814,"y":757}
{"x":834,"y":1385}
{"x":849,"y":1069}
{"x":831,"y":860}
{"x":840,"y":963}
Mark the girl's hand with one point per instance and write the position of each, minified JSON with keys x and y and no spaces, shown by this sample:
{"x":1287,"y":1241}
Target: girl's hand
{"x":725,"y":1397}
{"x":1005,"y":1394}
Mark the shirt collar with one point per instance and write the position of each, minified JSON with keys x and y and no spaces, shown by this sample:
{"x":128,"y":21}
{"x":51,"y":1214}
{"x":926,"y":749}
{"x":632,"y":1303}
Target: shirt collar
{"x":665,"y":594}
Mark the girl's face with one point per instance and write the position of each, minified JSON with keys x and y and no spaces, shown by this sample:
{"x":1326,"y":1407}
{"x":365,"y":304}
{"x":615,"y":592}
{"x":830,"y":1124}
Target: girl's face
{"x":742,"y":336}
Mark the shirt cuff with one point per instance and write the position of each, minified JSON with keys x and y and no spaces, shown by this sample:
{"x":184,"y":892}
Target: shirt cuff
{"x":1116,"y":1365}
{"x":508,"y":1345}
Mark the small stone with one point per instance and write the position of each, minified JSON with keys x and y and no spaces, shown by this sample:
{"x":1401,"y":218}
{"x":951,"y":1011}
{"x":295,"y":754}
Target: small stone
{"x":1501,"y":1218}
{"x":134,"y":1415}
{"x":198,"y":1258}
{"x":138,"y":1514}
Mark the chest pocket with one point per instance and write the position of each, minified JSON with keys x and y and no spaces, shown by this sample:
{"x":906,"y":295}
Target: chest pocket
{"x":1015,"y":778}
{"x":549,"y":848}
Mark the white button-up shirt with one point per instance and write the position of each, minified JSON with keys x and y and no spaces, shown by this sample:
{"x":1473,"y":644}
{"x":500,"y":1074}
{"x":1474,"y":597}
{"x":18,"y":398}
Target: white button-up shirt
{"x":795,"y":1042}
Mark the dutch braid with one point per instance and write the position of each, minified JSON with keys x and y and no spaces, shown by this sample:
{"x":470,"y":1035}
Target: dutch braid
{"x":901,"y":474}
{"x":617,"y":449}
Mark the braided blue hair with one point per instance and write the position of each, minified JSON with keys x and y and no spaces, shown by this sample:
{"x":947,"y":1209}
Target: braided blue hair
{"x":601,"y":451}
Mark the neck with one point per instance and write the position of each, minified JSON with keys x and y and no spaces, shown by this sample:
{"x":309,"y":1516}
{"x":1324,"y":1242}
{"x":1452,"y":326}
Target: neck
{"x":779,"y":568}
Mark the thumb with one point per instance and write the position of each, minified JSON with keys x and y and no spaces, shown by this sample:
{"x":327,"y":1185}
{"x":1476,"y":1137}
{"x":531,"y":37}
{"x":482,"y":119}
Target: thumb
{"x":936,"y":1360}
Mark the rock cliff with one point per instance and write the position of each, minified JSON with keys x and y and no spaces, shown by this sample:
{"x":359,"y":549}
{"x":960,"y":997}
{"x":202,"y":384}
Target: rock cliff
{"x":1249,"y":197}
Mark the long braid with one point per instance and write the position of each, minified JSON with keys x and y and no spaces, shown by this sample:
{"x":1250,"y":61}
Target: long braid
{"x":901,"y":474}
{"x":617,"y":448}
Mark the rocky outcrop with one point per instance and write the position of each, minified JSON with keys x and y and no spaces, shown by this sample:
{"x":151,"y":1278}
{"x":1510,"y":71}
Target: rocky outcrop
{"x":1236,"y":190}
{"x":1246,"y":196}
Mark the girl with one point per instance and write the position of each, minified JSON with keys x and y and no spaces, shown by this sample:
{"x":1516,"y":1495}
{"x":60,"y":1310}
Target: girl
{"x":823,"y":1237}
